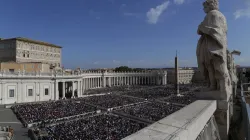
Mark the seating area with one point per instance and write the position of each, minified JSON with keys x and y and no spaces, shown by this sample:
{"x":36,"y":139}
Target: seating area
{"x":47,"y":111}
{"x":110,"y":100}
{"x":99,"y":127}
{"x":109,"y":116}
{"x":152,"y":111}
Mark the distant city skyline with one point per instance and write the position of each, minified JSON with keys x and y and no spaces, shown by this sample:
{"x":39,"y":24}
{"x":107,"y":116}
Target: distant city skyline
{"x":112,"y":33}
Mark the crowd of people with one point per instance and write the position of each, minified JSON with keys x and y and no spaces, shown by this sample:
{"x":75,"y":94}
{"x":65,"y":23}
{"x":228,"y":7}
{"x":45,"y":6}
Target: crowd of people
{"x":152,"y":111}
{"x":47,"y":111}
{"x":151,"y":93}
{"x":135,"y":101}
{"x":110,"y":100}
{"x":184,"y":99}
{"x":99,"y":127}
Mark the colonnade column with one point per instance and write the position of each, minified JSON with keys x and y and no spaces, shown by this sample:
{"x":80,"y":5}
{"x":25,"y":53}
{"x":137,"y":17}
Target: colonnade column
{"x":98,"y":82}
{"x":51,"y":91}
{"x":136,"y":80}
{"x":109,"y":81}
{"x":83,"y":85}
{"x":88,"y":83}
{"x":79,"y":88}
{"x":73,"y":89}
{"x":4,"y":94}
{"x":56,"y":90}
{"x":63,"y":90}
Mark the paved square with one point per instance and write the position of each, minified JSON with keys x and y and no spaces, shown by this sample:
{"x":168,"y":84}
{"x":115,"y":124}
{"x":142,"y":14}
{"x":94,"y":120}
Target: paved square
{"x":8,"y":118}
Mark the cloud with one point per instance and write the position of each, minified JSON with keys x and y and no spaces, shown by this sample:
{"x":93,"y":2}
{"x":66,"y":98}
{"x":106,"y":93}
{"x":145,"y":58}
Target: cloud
{"x":116,"y":62}
{"x":154,"y":13}
{"x":179,"y":2}
{"x":243,"y":12}
{"x":96,"y":62}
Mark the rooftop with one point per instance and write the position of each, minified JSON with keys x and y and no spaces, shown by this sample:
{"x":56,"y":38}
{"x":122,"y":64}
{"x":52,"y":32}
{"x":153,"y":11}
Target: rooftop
{"x":31,"y":41}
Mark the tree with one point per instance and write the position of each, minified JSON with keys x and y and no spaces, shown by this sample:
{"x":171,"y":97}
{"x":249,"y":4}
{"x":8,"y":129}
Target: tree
{"x":123,"y":69}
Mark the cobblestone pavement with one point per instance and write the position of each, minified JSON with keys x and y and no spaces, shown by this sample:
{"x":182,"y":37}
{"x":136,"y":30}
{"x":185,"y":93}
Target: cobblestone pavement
{"x":8,"y":118}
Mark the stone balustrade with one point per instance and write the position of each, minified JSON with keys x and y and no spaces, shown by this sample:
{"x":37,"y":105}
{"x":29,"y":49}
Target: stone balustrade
{"x":185,"y":124}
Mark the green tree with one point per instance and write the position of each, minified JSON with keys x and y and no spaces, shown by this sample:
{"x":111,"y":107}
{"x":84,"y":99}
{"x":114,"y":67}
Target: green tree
{"x":123,"y":69}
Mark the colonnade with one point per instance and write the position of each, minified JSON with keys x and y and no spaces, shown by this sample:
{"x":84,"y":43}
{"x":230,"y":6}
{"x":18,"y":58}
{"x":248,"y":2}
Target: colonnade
{"x":69,"y":89}
{"x":76,"y":87}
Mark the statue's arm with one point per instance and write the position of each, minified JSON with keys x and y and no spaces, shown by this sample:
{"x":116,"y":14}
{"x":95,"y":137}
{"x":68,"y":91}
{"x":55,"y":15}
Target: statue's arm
{"x":214,"y":26}
{"x":198,"y":30}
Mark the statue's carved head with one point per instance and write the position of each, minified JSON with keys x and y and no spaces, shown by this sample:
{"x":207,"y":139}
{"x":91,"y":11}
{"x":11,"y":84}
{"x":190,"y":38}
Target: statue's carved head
{"x":210,"y":5}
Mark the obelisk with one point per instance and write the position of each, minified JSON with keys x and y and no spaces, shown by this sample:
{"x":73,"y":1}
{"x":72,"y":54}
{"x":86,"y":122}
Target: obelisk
{"x":176,"y":74}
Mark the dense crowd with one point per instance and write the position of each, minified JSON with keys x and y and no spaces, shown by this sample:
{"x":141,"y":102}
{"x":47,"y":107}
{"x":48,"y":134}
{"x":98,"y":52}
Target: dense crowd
{"x":100,"y":127}
{"x":151,"y":93}
{"x":110,"y":100}
{"x":105,"y":126}
{"x":52,"y":110}
{"x":152,"y":111}
{"x":114,"y":89}
{"x":182,"y":99}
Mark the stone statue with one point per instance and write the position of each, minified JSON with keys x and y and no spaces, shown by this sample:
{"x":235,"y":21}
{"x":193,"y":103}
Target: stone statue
{"x":231,"y":67}
{"x":212,"y":48}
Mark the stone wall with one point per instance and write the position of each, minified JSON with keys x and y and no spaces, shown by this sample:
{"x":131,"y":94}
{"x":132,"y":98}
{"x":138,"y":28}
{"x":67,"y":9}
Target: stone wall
{"x":185,"y":76}
{"x":31,"y":52}
{"x":28,"y":67}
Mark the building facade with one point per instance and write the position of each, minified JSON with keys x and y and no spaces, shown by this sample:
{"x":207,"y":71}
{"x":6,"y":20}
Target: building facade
{"x":26,"y":50}
{"x":186,"y":76}
{"x":24,"y":87}
{"x":28,"y":67}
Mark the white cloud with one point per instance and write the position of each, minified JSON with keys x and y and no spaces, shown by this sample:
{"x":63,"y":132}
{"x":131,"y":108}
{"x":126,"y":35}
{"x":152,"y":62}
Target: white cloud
{"x":243,"y":12}
{"x":116,"y":62}
{"x":154,"y":13}
{"x":96,"y":63}
{"x":178,"y":2}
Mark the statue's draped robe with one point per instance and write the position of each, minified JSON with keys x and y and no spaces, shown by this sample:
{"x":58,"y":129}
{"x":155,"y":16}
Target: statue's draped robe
{"x":212,"y":45}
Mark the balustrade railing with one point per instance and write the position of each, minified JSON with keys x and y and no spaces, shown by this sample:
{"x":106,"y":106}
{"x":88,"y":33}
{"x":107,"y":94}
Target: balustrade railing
{"x":75,"y":74}
{"x":245,"y":100}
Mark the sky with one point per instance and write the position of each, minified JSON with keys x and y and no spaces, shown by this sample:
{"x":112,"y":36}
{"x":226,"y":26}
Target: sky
{"x":111,"y":33}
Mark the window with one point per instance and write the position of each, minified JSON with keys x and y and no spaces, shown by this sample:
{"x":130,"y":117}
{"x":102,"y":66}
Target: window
{"x":11,"y":93}
{"x":23,"y":54}
{"x":46,"y":91}
{"x":11,"y":70}
{"x":30,"y":92}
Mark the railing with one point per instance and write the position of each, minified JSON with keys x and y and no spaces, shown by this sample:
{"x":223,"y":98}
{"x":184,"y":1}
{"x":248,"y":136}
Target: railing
{"x":245,"y":110}
{"x":76,"y":74}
